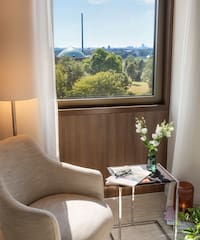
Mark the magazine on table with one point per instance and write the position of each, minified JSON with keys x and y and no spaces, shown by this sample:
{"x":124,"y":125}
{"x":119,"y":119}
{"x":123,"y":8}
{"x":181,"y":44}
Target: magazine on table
{"x":126,"y":175}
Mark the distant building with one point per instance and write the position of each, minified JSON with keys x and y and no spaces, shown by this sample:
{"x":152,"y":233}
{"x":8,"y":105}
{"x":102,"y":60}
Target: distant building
{"x":71,"y":52}
{"x":57,"y":51}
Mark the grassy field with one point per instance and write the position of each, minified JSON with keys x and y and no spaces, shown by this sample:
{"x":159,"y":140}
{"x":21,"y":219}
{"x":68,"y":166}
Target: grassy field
{"x":139,"y":88}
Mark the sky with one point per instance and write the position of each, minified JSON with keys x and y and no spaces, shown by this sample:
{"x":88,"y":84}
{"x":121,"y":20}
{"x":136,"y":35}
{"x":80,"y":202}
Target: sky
{"x":114,"y":23}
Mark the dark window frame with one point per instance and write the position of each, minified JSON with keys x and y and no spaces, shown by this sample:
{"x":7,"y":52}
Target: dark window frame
{"x":162,"y":62}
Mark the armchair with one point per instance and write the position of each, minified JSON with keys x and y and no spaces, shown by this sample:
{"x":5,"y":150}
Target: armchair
{"x":41,"y":199}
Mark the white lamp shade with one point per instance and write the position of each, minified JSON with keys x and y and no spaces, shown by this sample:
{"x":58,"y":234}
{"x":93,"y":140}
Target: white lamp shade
{"x":16,"y":48}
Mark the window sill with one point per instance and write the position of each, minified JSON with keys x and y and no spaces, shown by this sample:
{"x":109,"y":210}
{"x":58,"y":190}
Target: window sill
{"x":114,"y":109}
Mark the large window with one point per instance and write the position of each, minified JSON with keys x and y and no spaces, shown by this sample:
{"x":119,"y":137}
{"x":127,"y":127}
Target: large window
{"x":109,"y":52}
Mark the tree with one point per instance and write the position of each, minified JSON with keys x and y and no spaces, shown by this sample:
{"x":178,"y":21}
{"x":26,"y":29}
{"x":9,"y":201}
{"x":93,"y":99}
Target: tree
{"x":72,"y":70}
{"x":100,"y":85}
{"x":113,"y":62}
{"x":130,"y":67}
{"x":124,"y":80}
{"x":128,"y":60}
{"x":131,"y":70}
{"x":102,"y":61}
{"x":140,"y":67}
{"x":97,"y":61}
{"x":147,"y":74}
{"x":60,"y":82}
{"x":134,"y":67}
{"x":86,"y":65}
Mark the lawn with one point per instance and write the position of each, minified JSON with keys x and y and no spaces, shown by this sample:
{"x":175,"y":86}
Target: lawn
{"x":140,"y":88}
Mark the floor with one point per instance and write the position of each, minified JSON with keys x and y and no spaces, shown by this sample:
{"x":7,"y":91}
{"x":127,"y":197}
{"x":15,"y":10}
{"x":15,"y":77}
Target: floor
{"x":146,"y":207}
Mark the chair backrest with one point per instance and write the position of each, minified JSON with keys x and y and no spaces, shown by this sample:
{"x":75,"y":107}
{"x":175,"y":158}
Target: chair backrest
{"x":23,"y":169}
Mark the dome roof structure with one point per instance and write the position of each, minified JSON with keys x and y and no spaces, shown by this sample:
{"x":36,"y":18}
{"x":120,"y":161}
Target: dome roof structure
{"x":71,"y":52}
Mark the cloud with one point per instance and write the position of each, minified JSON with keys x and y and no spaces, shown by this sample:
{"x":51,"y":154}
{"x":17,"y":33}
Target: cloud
{"x":97,"y":1}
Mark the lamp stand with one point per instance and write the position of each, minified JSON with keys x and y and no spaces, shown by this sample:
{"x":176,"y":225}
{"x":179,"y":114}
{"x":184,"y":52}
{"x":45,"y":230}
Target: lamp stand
{"x":14,"y":122}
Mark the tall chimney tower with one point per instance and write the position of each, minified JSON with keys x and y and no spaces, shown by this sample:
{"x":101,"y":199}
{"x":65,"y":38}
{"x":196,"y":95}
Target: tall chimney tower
{"x":82,"y":33}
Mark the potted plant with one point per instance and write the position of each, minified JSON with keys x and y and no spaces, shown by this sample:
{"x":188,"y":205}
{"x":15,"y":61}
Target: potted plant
{"x":191,"y":215}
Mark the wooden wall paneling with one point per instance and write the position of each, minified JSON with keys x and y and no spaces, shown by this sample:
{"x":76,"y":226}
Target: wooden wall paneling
{"x":92,"y":134}
{"x":101,"y":140}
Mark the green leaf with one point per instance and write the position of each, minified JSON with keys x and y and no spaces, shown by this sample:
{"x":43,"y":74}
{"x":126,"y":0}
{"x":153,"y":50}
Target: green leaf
{"x":198,"y":227}
{"x":189,"y":230}
{"x":189,"y":237}
{"x":197,"y":238}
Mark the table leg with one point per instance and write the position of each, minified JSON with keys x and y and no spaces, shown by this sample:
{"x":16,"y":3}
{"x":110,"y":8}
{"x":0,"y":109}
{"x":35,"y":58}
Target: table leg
{"x":132,"y":204}
{"x":176,"y":211}
{"x":120,"y":212}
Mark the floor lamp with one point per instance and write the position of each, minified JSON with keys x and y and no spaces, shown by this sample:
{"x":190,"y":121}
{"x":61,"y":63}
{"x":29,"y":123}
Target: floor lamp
{"x":17,"y":56}
{"x":13,"y":115}
{"x":14,"y":120}
{"x":13,"y":94}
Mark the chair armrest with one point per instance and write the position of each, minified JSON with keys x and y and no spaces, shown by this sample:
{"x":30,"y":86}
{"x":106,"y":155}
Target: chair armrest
{"x":19,"y":221}
{"x":68,"y":178}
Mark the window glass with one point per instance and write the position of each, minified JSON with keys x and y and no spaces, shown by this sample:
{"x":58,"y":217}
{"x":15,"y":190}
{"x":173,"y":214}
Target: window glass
{"x":104,"y":48}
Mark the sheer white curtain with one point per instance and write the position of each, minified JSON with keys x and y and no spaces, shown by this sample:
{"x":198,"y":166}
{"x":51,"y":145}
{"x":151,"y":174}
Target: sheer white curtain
{"x":27,"y":51}
{"x":184,"y":147}
{"x":44,"y":75}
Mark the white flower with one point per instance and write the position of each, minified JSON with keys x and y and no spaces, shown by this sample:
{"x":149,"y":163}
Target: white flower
{"x":138,"y":125}
{"x":159,"y":131}
{"x":154,"y":143}
{"x":138,"y":130}
{"x":143,"y":138}
{"x":163,"y":129}
{"x":151,"y":142}
{"x":168,"y":134}
{"x":154,"y":136}
{"x":144,"y":130}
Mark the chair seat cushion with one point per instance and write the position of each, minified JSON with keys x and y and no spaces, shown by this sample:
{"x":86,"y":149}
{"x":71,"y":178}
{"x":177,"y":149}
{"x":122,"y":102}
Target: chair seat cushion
{"x":79,"y":217}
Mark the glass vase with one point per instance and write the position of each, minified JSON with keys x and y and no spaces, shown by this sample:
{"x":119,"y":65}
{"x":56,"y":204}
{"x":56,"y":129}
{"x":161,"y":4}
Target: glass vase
{"x":151,"y":162}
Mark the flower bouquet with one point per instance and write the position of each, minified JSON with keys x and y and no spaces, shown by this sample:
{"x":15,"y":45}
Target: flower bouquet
{"x":162,"y":130}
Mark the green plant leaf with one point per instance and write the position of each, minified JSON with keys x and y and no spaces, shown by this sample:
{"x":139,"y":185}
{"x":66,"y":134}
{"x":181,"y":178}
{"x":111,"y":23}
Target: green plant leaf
{"x":189,"y":237}
{"x":198,"y":227}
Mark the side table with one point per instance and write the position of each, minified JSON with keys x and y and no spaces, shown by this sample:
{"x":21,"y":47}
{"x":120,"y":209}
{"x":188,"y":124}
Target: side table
{"x":167,"y":178}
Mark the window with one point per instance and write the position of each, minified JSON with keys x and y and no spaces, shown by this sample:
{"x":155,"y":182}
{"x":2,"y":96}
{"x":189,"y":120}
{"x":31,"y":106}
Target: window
{"x":109,"y":52}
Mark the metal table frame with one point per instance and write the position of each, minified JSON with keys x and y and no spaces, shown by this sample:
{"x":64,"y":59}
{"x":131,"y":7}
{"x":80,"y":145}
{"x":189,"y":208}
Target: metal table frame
{"x":171,"y":179}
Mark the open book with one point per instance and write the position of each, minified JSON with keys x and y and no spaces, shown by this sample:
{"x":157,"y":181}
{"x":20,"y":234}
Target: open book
{"x":126,"y":175}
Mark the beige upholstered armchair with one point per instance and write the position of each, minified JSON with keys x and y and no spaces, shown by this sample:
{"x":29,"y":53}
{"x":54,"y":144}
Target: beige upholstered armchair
{"x":41,"y":199}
